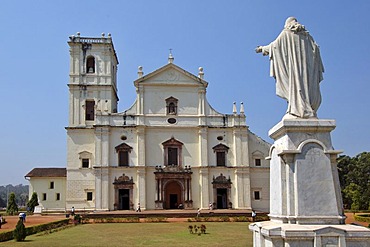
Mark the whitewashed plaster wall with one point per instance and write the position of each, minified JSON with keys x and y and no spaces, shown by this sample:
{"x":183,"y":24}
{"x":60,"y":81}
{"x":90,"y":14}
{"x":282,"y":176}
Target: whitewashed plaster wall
{"x":155,"y":99}
{"x":42,"y":185}
{"x":79,"y":140}
{"x":260,"y":181}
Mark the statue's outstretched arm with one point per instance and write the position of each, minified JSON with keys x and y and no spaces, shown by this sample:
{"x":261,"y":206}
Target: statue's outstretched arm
{"x":263,"y":49}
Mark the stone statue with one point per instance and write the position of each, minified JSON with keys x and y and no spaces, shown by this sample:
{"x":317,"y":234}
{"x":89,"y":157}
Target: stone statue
{"x":297,"y":67}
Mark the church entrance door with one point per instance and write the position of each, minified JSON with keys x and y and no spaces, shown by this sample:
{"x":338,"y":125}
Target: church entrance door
{"x":173,"y":195}
{"x":124,"y":199}
{"x":221,"y":198}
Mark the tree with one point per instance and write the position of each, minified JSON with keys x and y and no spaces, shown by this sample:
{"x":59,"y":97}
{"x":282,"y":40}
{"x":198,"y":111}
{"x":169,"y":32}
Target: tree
{"x":33,"y":202}
{"x":354,"y":176}
{"x":12,"y":205}
{"x":19,"y":232}
{"x":2,"y":203}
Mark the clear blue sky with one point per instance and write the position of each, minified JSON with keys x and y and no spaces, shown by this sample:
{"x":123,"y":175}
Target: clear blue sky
{"x":220,"y":36}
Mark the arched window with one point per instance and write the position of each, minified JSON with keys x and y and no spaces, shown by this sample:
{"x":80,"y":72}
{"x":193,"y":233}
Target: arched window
{"x":172,"y":108}
{"x":90,"y":64}
{"x":171,"y":105}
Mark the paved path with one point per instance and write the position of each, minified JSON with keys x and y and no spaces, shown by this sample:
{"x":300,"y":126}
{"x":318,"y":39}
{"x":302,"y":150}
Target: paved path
{"x":31,"y":220}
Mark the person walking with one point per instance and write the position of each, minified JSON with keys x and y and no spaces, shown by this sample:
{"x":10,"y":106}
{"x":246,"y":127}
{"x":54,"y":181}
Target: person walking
{"x":138,"y":209}
{"x":254,"y":215}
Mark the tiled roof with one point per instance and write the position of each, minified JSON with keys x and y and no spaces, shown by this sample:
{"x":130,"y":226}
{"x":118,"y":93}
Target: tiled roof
{"x":47,"y":172}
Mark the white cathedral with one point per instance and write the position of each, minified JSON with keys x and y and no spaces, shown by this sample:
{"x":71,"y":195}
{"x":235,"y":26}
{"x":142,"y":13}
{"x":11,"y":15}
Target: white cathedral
{"x":169,"y":150}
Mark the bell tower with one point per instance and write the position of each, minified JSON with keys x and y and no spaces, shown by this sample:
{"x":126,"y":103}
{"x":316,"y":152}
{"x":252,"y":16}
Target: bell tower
{"x":92,"y":79}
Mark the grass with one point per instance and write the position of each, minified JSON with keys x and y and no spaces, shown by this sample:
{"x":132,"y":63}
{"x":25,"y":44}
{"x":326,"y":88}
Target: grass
{"x":143,"y":234}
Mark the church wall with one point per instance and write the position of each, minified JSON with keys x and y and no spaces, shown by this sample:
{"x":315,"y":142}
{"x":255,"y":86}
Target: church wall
{"x":156,"y":136}
{"x":260,"y":181}
{"x":150,"y":188}
{"x":155,"y":99}
{"x":116,"y":135}
{"x":78,"y":184}
{"x":196,"y":188}
{"x":42,"y":186}
{"x":79,"y":140}
{"x":226,"y":134}
{"x":258,"y":149}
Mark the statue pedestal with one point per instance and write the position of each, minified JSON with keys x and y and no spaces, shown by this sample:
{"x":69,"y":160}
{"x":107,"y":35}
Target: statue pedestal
{"x":305,"y":199}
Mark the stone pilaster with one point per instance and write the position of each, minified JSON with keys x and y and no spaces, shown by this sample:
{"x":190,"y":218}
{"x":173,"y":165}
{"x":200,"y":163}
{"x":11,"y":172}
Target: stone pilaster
{"x":141,"y":178}
{"x":203,"y":147}
{"x":238,"y":153}
{"x":204,"y":187}
{"x":242,"y":188}
{"x":141,"y":146}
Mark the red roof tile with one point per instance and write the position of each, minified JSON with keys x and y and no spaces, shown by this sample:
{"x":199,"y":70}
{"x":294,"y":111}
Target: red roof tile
{"x":47,"y":172}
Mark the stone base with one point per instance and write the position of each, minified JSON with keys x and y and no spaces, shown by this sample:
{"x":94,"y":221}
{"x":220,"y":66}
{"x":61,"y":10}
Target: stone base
{"x":273,"y":234}
{"x":304,"y":182}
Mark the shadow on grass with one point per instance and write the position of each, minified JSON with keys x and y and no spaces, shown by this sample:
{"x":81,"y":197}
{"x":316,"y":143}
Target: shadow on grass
{"x":24,"y":241}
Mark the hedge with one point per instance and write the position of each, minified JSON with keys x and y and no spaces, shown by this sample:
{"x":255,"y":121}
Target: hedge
{"x":362,"y":217}
{"x":111,"y":220}
{"x":8,"y":235}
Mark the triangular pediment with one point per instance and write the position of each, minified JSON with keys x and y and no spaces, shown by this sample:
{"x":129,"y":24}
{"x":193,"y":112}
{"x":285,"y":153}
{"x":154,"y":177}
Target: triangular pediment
{"x":170,"y":74}
{"x":220,"y":147}
{"x":123,"y":146}
{"x":330,"y":231}
{"x":172,"y":142}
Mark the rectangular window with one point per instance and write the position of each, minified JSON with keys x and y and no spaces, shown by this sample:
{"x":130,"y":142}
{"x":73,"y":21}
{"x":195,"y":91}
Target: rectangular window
{"x":221,"y":158}
{"x":57,"y":196}
{"x":89,"y":196}
{"x":172,"y":156}
{"x":257,"y":195}
{"x":90,"y":110}
{"x":257,"y":162}
{"x":85,"y":163}
{"x":44,"y":196}
{"x":123,"y":158}
{"x":51,"y":185}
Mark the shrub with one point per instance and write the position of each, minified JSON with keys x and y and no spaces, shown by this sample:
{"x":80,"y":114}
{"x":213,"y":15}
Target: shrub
{"x":203,"y":229}
{"x":241,"y":219}
{"x":8,"y":235}
{"x":198,"y":230}
{"x":155,"y":219}
{"x":363,"y":217}
{"x":77,"y":219}
{"x":45,"y":227}
{"x":20,"y":231}
{"x":114,"y":220}
{"x":12,"y":205}
{"x":33,"y":202}
{"x":225,"y":218}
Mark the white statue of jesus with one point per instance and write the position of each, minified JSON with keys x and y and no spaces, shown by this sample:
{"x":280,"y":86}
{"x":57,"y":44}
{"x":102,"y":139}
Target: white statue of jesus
{"x":297,"y":67}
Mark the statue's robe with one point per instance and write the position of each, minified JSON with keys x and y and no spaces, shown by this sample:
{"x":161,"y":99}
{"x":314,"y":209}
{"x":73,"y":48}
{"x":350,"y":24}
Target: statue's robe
{"x":297,"y":67}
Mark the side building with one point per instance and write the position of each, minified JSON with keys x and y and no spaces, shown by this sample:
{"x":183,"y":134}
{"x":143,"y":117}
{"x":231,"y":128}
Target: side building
{"x":169,"y":150}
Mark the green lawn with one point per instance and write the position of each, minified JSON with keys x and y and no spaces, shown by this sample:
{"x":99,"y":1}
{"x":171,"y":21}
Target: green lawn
{"x":144,"y":234}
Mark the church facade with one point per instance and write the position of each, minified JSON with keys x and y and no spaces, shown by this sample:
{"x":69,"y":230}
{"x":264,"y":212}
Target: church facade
{"x":169,"y":150}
